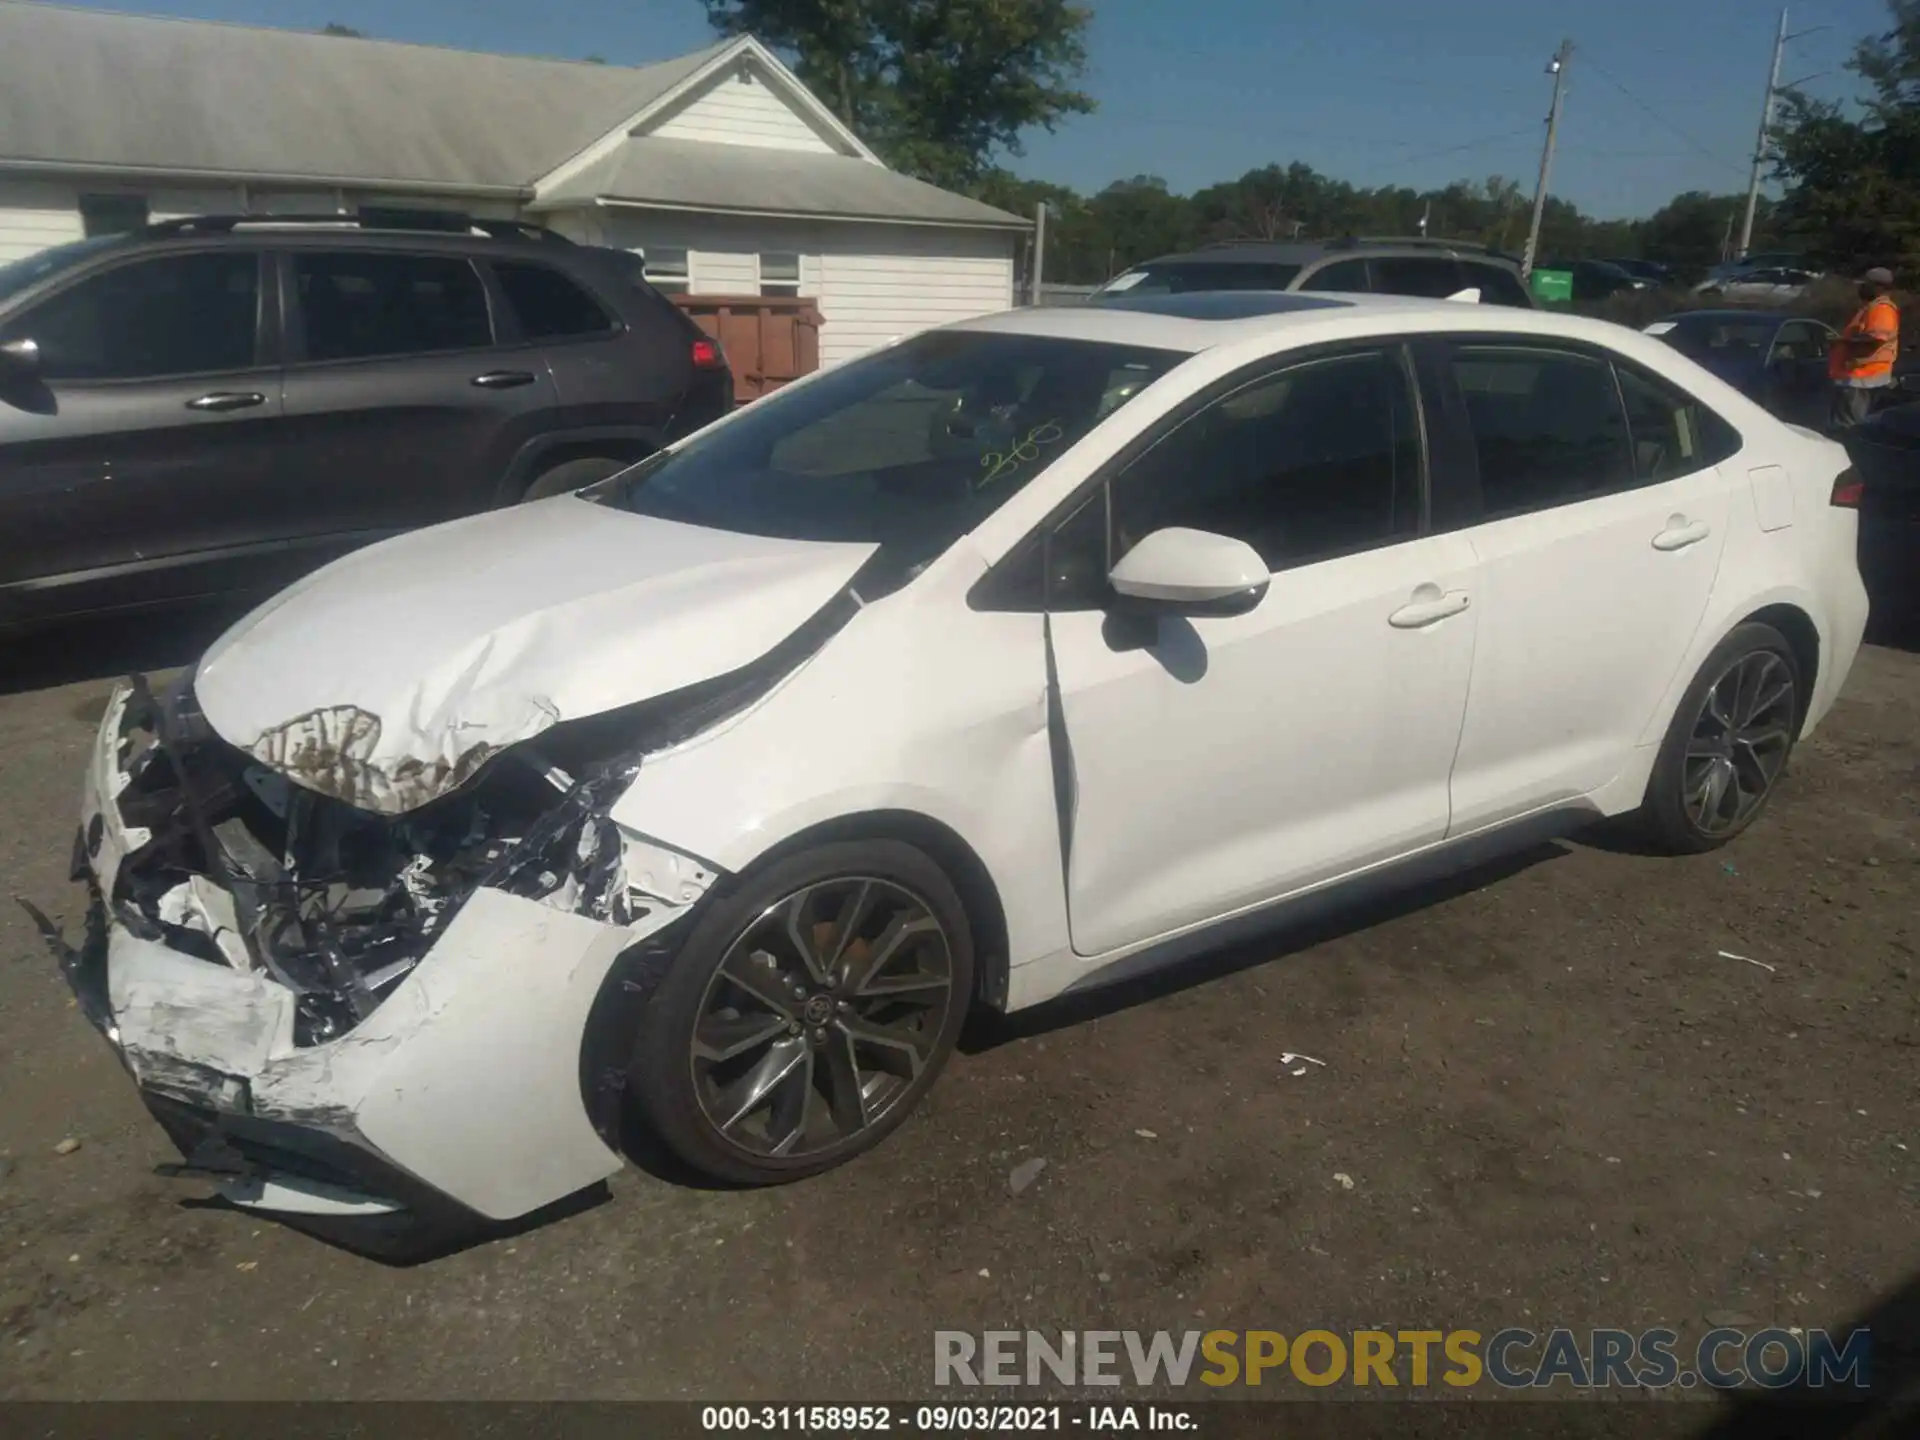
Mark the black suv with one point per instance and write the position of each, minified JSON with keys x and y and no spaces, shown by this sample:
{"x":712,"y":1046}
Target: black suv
{"x":218,"y":404}
{"x":1435,"y":269}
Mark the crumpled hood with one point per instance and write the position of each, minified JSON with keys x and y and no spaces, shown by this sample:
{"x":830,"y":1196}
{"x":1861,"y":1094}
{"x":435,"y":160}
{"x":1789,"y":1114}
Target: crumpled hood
{"x":390,"y":676}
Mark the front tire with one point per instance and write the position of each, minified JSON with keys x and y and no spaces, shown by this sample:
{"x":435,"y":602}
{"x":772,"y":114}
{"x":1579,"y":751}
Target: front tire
{"x":807,"y":1013}
{"x":571,"y":475}
{"x":1727,"y":745}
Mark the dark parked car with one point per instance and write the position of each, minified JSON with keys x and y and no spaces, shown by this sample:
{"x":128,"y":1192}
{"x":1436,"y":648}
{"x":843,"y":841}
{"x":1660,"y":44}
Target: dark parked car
{"x":1596,"y":279}
{"x":1434,"y":269}
{"x":1886,"y":452}
{"x":217,"y":404}
{"x":1651,"y":271}
{"x":1777,"y":359}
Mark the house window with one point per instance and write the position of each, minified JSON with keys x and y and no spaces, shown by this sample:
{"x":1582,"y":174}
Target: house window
{"x":113,"y":214}
{"x":666,"y":269}
{"x":780,"y":274}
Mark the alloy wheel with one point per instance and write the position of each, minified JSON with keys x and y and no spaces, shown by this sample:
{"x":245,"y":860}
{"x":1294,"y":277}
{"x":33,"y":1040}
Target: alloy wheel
{"x":1739,"y":742}
{"x":821,"y":1016}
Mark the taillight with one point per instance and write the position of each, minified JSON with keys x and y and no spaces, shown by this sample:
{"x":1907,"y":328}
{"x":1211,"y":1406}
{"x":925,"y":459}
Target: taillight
{"x":1848,"y":489}
{"x":707,"y":356}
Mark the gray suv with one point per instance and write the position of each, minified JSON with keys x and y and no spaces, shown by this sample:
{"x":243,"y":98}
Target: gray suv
{"x":218,"y":404}
{"x":1434,"y":269}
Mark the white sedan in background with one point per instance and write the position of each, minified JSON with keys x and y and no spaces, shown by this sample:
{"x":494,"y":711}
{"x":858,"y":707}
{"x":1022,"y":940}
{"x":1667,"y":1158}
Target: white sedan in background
{"x":1007,"y":660}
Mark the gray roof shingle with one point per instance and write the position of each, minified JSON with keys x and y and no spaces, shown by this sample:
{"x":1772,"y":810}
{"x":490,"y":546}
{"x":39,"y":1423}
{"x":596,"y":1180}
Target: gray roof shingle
{"x":85,"y":87}
{"x":704,"y":176}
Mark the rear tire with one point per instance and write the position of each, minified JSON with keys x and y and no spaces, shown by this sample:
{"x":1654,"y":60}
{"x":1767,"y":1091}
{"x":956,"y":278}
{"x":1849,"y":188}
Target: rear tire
{"x":807,"y":1013}
{"x":571,"y":475}
{"x":1727,"y":745}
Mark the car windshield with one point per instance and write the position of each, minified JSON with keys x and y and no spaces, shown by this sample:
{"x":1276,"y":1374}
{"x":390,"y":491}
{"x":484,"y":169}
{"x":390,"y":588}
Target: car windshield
{"x":1180,"y":278}
{"x":907,"y":448}
{"x":1719,"y":338}
{"x":17,"y":275}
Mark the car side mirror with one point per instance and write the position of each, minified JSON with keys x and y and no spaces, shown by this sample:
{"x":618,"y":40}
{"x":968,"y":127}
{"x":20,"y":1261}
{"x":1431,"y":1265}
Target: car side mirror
{"x":19,"y":360}
{"x":1191,"y":572}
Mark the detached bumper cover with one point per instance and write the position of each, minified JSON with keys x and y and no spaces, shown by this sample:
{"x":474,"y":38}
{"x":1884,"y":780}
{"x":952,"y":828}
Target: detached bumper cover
{"x":463,"y":1090}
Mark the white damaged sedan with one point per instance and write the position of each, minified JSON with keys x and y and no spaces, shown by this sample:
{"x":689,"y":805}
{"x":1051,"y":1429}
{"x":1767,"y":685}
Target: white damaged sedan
{"x":1008,"y":659}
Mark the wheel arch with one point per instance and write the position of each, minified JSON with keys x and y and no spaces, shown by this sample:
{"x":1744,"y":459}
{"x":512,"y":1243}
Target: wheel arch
{"x":1787,"y":612}
{"x":1802,"y":636}
{"x":986,"y":913}
{"x":544,"y":452}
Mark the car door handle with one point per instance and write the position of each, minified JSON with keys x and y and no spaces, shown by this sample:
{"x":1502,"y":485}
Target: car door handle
{"x":227,"y":400}
{"x":1424,"y":611}
{"x":1679,"y":534}
{"x":503,"y":379}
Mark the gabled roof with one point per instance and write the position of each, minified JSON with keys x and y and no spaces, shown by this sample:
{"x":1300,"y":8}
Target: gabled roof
{"x":131,"y":92}
{"x":659,"y":173}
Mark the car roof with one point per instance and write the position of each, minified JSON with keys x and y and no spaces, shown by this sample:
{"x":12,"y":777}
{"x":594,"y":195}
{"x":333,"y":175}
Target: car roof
{"x":293,"y":232}
{"x":1193,"y":323}
{"x":1305,"y":252}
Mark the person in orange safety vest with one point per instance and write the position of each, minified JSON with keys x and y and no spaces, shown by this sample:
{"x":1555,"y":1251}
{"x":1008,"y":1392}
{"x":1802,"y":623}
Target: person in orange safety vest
{"x":1861,"y":360}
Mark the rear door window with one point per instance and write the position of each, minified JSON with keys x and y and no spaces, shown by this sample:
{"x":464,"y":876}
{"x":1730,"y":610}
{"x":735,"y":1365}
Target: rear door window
{"x":548,"y":305}
{"x":366,"y":304}
{"x":1548,"y":426}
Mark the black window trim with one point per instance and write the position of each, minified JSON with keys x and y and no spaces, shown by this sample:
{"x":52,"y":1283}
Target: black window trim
{"x":507,"y":330}
{"x":293,"y":319}
{"x":988,"y":592}
{"x":1447,"y":398}
{"x":268,"y":335}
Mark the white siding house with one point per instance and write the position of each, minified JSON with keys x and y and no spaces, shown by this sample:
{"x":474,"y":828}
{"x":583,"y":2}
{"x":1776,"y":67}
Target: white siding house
{"x":720,"y":167}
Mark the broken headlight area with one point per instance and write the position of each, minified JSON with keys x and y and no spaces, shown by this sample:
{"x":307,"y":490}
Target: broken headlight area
{"x":243,"y":868}
{"x":231,"y":861}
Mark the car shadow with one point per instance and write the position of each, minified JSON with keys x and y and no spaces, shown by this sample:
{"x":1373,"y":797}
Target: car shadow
{"x":103,"y":647}
{"x":400,"y":1240}
{"x":1336,"y":917}
{"x":1887,"y":1405}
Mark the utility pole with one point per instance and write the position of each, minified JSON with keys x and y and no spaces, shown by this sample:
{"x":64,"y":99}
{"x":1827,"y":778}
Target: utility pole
{"x":1774,"y":90}
{"x":1760,"y":144}
{"x":1039,"y":247}
{"x":1557,"y":67}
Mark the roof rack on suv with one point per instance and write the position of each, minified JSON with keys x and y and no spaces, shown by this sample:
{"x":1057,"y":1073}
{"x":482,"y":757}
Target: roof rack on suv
{"x":1416,"y":242}
{"x":444,"y":222}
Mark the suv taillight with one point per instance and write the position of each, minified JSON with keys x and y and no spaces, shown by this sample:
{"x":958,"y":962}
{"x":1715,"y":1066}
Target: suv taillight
{"x":707,"y":356}
{"x":1848,"y":489}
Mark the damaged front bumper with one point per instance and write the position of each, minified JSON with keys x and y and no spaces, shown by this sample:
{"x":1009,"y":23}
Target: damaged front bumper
{"x":340,"y":1024}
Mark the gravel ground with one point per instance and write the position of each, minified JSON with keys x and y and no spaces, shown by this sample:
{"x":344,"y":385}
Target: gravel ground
{"x":1552,"y":1097}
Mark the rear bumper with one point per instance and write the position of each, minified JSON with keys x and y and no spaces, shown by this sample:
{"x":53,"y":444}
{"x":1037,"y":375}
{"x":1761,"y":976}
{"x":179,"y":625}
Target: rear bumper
{"x":462,"y":1099}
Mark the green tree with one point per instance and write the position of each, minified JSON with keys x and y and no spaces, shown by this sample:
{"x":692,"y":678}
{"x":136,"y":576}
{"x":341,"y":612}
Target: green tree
{"x":938,"y":87}
{"x":1853,"y":172}
{"x":1696,"y":230}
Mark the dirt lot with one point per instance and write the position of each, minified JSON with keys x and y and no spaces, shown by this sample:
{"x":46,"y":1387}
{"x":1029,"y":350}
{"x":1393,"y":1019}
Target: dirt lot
{"x":1556,"y":1101}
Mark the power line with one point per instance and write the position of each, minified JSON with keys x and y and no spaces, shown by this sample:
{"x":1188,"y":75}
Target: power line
{"x":1483,"y":141}
{"x":1662,"y":120}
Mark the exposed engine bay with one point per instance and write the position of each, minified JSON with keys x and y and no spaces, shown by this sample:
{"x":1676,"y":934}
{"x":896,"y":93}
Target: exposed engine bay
{"x":244,"y":868}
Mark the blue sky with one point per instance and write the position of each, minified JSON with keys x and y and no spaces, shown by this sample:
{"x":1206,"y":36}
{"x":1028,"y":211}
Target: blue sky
{"x":1663,"y":95}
